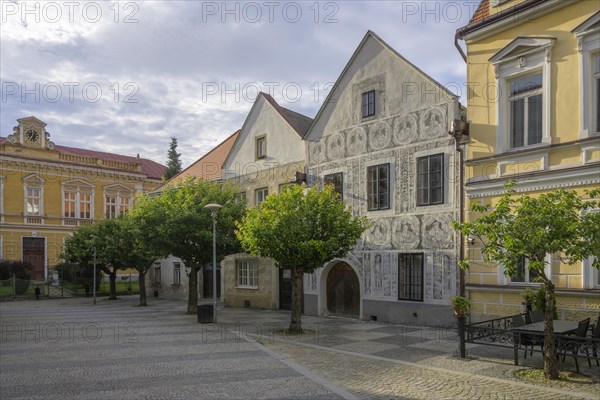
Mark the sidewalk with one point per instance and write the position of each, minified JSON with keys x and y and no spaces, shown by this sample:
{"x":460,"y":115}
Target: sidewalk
{"x":377,"y":360}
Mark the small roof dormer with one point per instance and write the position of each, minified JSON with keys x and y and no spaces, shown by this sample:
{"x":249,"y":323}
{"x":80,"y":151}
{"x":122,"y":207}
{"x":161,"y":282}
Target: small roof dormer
{"x":31,"y":132}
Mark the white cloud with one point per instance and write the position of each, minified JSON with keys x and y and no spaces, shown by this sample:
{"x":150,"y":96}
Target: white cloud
{"x":167,"y":56}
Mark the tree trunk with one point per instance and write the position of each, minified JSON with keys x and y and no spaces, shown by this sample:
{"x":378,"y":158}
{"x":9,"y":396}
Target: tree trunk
{"x":297,"y":289}
{"x":192,"y":291}
{"x":142,"y":283}
{"x":550,"y":361}
{"x":113,"y":285}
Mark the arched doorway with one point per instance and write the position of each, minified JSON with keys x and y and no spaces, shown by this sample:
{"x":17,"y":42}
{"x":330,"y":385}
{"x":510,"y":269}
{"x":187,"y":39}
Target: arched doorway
{"x":343,"y":291}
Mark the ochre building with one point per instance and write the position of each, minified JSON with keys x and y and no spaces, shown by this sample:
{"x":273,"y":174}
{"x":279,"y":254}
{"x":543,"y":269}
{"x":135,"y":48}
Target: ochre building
{"x":48,"y":190}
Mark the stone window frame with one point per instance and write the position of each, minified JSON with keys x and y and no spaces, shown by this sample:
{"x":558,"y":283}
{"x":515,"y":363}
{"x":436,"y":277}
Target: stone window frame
{"x":390,"y":190}
{"x":176,"y":273}
{"x":33,"y":181}
{"x":441,"y":155}
{"x":587,"y":36}
{"x":330,"y":179}
{"x":123,"y":196}
{"x":522,"y":57}
{"x":261,"y":147}
{"x":77,"y":187}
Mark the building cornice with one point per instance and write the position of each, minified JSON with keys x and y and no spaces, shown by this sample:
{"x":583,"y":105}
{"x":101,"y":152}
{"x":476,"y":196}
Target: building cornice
{"x":583,"y":175}
{"x":524,"y":12}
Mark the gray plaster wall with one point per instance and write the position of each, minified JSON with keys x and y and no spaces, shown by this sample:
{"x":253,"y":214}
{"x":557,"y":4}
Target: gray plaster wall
{"x":413,"y":118}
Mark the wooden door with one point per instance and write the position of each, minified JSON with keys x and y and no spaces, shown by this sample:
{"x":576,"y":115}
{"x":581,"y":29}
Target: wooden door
{"x":34,"y":253}
{"x":343,"y":291}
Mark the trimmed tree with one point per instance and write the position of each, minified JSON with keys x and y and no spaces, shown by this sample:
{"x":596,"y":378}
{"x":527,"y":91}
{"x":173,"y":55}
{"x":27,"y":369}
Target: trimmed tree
{"x":300,"y":231}
{"x":175,"y":222}
{"x":107,"y":237}
{"x":173,"y":160}
{"x":522,"y":227}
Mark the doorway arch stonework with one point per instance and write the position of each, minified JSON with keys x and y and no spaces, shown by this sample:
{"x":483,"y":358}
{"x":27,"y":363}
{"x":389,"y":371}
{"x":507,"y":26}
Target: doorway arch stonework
{"x":340,"y":290}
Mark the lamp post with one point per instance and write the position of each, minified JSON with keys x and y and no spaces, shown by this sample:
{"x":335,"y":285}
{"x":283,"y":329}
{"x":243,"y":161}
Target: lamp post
{"x":94,"y":279}
{"x":459,"y":130}
{"x":214,"y":208}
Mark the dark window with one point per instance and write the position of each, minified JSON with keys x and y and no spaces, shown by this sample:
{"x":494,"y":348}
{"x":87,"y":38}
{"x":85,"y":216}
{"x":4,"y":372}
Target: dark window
{"x":368,"y":104}
{"x":261,"y":147}
{"x":176,"y":273}
{"x":378,"y":187}
{"x":337,"y":180}
{"x":525,"y":99}
{"x":410,"y":277}
{"x":430,"y":180}
{"x":522,"y":273}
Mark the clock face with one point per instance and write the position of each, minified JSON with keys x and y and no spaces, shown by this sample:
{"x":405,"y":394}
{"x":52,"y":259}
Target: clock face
{"x":32,"y":136}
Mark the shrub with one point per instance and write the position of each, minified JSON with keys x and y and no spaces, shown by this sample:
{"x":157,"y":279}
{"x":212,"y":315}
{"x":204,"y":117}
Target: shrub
{"x":18,"y":269}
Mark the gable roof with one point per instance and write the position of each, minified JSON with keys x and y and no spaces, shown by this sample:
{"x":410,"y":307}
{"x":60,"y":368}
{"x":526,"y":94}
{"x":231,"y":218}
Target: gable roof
{"x":149,"y":168}
{"x":209,"y":166}
{"x":373,"y":35}
{"x":298,"y":122}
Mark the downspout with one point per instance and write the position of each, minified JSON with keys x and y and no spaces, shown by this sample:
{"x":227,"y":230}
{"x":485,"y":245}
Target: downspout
{"x":460,"y":50}
{"x":461,"y":212}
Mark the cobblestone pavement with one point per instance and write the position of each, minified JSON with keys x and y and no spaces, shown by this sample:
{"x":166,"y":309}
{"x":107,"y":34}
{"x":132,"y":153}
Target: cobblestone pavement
{"x":67,"y":349}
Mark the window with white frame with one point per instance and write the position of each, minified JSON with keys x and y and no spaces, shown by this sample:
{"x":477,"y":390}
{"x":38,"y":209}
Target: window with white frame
{"x":33,"y":201}
{"x":525,"y":110}
{"x":176,"y":273}
{"x":247,"y":273}
{"x":117,"y":200}
{"x":523,"y":69}
{"x":523,"y":274}
{"x":78,"y":200}
{"x":378,"y":187}
{"x":260,"y":195}
{"x":588,"y":44}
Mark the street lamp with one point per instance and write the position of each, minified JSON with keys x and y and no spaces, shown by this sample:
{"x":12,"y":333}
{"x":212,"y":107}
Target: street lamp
{"x":94,"y":281}
{"x":214,"y":208}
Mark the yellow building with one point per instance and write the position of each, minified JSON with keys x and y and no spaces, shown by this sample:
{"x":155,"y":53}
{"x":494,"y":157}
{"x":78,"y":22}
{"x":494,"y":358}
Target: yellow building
{"x":533,"y":106}
{"x":47,"y":190}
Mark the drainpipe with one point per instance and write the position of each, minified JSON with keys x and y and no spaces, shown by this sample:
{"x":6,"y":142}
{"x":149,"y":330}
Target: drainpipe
{"x":460,"y":50}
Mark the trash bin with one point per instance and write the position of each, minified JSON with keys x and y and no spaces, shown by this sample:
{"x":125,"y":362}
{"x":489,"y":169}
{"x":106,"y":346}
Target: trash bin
{"x":205,"y":314}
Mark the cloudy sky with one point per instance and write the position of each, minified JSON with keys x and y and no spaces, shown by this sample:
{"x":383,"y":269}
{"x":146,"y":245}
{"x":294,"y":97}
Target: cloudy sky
{"x":125,"y":77}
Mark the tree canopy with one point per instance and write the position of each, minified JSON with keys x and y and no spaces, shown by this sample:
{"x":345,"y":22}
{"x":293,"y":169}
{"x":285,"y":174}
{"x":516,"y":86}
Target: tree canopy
{"x":175,"y":222}
{"x":300,"y":231}
{"x":527,"y":227}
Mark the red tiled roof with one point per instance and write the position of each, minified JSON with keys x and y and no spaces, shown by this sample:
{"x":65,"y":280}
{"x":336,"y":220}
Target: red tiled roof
{"x":149,"y":168}
{"x":209,"y":166}
{"x":483,"y":11}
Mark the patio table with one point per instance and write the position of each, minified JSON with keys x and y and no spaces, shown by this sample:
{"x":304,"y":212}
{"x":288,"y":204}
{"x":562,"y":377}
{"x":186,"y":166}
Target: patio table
{"x":561,"y":327}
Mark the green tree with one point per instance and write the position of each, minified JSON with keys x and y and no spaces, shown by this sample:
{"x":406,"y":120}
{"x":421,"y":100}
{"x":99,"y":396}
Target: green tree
{"x":176,"y":222}
{"x":520,"y":227}
{"x":173,"y":160}
{"x":300,"y":231}
{"x":137,"y":249}
{"x":107,"y":238}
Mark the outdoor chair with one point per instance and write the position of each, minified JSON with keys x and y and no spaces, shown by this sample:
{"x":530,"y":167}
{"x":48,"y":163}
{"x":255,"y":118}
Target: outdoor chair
{"x":596,"y":335}
{"x":582,"y":328}
{"x":535,"y":316}
{"x":525,"y":339}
